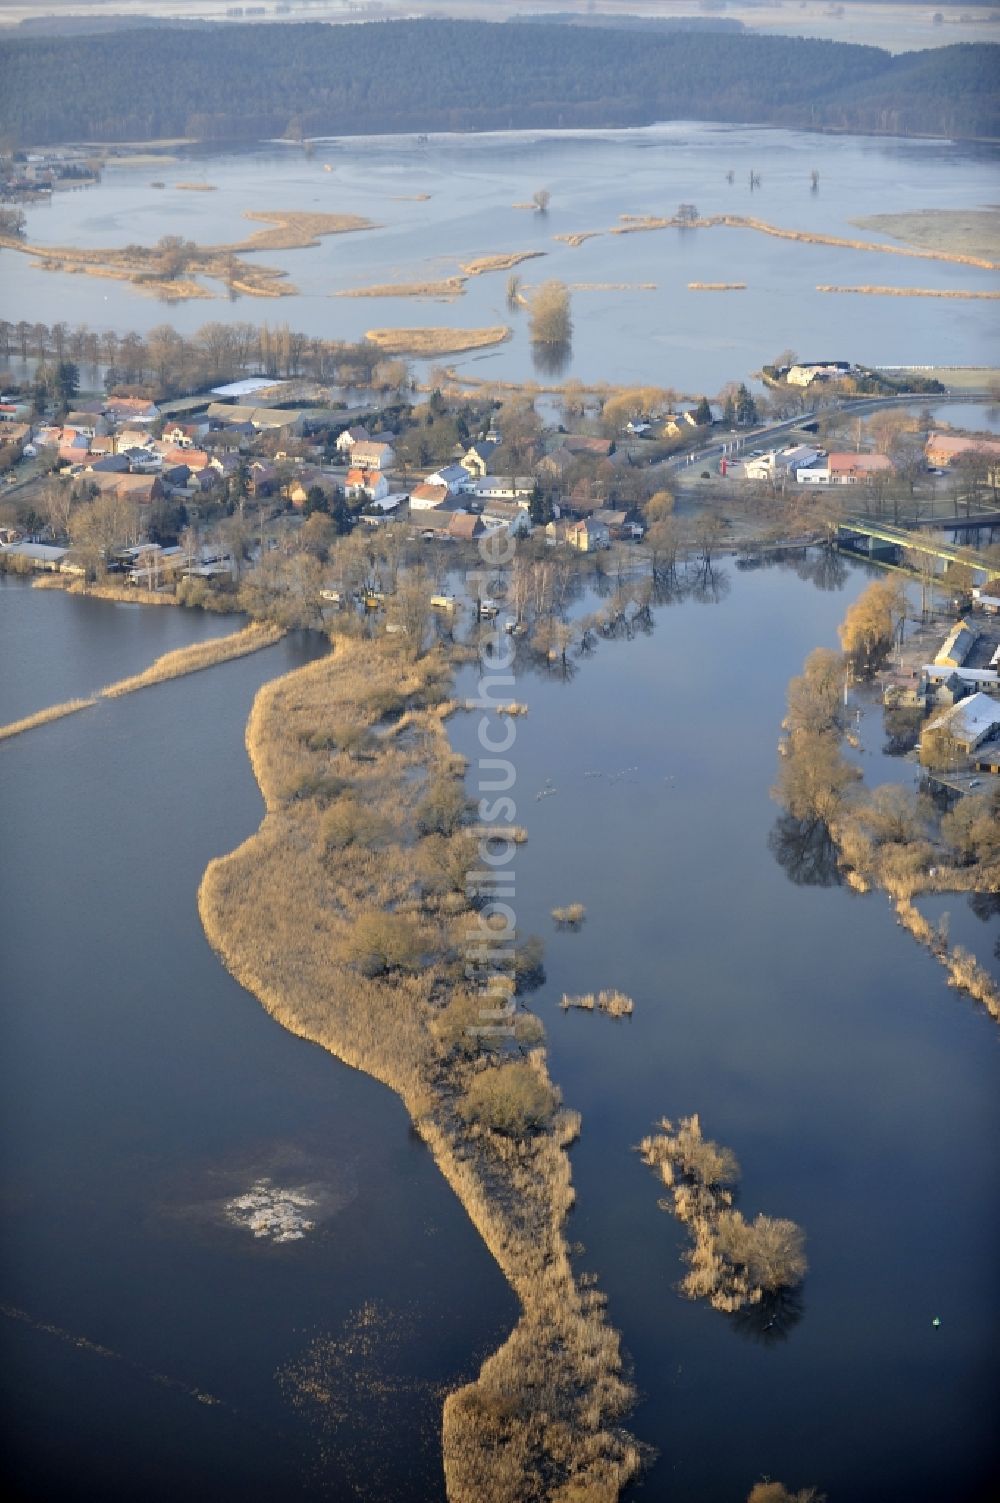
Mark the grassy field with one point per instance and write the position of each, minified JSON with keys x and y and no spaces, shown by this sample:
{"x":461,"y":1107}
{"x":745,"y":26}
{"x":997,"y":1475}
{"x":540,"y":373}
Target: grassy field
{"x":428,"y":342}
{"x":970,"y":232}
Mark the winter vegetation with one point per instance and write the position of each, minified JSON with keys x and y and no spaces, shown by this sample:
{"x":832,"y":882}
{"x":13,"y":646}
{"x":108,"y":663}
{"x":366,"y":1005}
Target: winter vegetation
{"x":569,"y":917}
{"x":42,"y":717}
{"x":427,"y":342}
{"x":731,"y":1262}
{"x":199,"y":655}
{"x":347,"y":914}
{"x":616,"y":1004}
{"x":551,"y":321}
{"x":891,"y":837}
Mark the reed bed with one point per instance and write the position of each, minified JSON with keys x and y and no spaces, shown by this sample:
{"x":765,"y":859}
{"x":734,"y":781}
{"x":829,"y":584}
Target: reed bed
{"x":910,"y":292}
{"x":285,"y":912}
{"x":500,"y":261}
{"x":514,"y":707}
{"x":576,"y":238}
{"x":196,"y":187}
{"x":719,"y":287}
{"x":196,"y":657}
{"x":42,"y":717}
{"x":125,"y":594}
{"x":569,"y":917}
{"x":428,"y":342}
{"x":731,"y":1262}
{"x":615,"y":1004}
{"x":447,"y":287}
{"x":630,"y":224}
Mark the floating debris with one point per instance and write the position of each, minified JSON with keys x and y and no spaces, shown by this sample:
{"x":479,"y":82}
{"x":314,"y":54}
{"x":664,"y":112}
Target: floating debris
{"x":269,"y":1211}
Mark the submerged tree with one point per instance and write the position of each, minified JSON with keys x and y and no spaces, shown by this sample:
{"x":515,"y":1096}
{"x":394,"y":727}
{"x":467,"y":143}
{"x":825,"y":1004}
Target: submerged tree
{"x":551,"y":322}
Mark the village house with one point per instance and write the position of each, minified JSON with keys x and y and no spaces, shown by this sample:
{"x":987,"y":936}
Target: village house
{"x":370,"y":483}
{"x":588,"y":535}
{"x":454,"y":476}
{"x":119,"y":410}
{"x":257,"y":419}
{"x":779,"y":464}
{"x":41,"y":556}
{"x":14,"y":435}
{"x":517,"y":519}
{"x":428,"y":497}
{"x":476,"y":459}
{"x":465,"y":527}
{"x":942,"y":449}
{"x":371,"y":455}
{"x":956,"y":646}
{"x":846,"y":469}
{"x":133,"y":438}
{"x":820,"y":370}
{"x":297,"y":490}
{"x":553,"y":466}
{"x":93,"y":424}
{"x":15,"y":412}
{"x":350,"y":437}
{"x":185,"y":435}
{"x":968,"y":724}
{"x":195,"y":459}
{"x":142,"y":489}
{"x":518,"y":488}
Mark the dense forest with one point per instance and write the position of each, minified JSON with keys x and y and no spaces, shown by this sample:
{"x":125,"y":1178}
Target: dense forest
{"x":244,"y":82}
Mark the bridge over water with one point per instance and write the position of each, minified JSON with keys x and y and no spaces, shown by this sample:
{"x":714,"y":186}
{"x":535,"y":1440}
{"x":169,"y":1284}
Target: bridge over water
{"x":915,"y":542}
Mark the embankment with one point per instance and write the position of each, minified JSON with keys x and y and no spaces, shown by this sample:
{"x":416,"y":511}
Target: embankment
{"x":171,"y":665}
{"x":42,"y":717}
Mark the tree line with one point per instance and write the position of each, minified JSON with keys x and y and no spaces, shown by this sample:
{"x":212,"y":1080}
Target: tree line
{"x":245,"y":82}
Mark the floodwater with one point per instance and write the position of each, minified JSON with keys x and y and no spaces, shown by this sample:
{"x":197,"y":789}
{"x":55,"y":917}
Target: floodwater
{"x":156,"y":1118}
{"x":670,"y":336}
{"x":810,"y":1032}
{"x":161,"y":1337}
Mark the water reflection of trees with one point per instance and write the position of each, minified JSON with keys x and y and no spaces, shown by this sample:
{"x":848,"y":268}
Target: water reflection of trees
{"x":805,"y":851}
{"x":773,"y":1320}
{"x":823,"y":567}
{"x":551,"y":359}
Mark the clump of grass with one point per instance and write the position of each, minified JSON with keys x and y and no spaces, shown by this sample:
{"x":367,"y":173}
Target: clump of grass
{"x":570,"y":917}
{"x":516,"y":834}
{"x":615,"y":1004}
{"x":731,"y":1262}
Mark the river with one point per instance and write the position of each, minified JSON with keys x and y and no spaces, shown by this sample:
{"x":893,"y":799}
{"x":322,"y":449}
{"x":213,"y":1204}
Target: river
{"x":810,"y":1032}
{"x":437,"y":205}
{"x":144,"y":1090}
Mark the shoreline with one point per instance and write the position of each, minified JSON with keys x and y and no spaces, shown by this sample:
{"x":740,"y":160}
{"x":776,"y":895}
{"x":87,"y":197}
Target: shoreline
{"x":279,"y":915}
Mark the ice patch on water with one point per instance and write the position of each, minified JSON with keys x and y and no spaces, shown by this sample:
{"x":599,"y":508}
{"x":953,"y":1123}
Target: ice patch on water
{"x":268,"y":1210}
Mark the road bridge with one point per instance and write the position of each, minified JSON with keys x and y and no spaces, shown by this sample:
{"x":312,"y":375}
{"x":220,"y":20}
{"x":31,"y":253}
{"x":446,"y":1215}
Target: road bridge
{"x":916,"y":542}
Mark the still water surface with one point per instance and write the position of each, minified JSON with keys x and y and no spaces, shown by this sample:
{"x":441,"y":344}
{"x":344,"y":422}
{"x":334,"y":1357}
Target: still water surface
{"x":670,"y":336}
{"x":144,"y":1088}
{"x":811,"y":1034}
